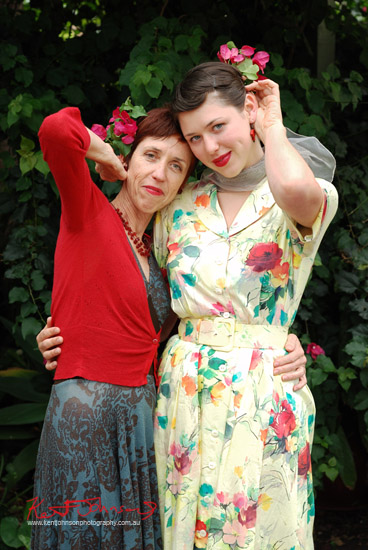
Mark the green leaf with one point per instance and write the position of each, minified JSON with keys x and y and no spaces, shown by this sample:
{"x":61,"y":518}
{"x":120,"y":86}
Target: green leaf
{"x":304,"y":79}
{"x":74,"y":94}
{"x":41,"y":165}
{"x":325,"y":363}
{"x":15,"y":433}
{"x":23,"y":463}
{"x":361,"y":400}
{"x":23,"y":389}
{"x":181,"y":43}
{"x":361,"y":307}
{"x":347,"y":281}
{"x":9,"y":527}
{"x":12,"y":118}
{"x":154,"y":87}
{"x":24,"y":76}
{"x":164,"y":43}
{"x":26,"y":145}
{"x":27,"y":163}
{"x":18,"y":294}
{"x":30,"y":327}
{"x":26,"y":413}
{"x":358,"y":352}
{"x":316,"y":376}
{"x":38,"y":280}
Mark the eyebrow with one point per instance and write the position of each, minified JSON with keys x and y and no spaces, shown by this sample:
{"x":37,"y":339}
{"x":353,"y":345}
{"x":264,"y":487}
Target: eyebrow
{"x":207,"y":125}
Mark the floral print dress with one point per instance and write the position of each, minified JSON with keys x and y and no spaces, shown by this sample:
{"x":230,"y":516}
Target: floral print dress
{"x":232,"y":441}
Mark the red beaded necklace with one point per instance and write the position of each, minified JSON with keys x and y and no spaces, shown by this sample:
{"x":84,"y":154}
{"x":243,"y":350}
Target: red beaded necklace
{"x":142,"y":247}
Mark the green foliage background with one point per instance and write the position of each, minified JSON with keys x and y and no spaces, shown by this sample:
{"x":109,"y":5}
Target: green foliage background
{"x":93,"y":54}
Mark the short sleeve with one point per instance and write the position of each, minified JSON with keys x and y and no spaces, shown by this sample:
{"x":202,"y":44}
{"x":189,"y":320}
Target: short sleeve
{"x":161,"y":232}
{"x":325,"y":215}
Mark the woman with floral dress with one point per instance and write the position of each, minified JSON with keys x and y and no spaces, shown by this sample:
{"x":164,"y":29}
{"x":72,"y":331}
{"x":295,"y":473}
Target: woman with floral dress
{"x":232,"y":440}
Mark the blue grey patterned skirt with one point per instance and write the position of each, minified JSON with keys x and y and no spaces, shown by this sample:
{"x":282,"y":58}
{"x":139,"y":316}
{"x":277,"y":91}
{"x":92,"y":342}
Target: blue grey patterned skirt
{"x":95,"y":481}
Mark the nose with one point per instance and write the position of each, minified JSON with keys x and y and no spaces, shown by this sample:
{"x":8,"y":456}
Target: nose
{"x":159,"y":171}
{"x":210,"y":144}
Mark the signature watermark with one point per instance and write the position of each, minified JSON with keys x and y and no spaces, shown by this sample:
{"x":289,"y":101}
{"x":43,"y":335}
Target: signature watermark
{"x":84,"y":508}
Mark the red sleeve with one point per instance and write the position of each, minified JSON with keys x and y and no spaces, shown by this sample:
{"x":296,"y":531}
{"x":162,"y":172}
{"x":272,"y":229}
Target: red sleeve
{"x":64,"y":142}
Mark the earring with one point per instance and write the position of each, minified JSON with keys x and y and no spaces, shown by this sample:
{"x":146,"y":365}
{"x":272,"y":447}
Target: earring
{"x":252,"y":132}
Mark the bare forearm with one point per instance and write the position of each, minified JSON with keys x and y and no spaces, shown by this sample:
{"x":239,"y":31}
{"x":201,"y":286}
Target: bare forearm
{"x":291,"y":180}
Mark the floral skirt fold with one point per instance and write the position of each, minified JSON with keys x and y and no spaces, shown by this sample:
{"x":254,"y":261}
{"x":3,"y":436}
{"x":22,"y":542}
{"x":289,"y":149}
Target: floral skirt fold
{"x":95,"y":481}
{"x":233,"y":449}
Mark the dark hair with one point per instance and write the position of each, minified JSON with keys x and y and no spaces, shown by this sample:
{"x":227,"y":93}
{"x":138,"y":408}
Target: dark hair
{"x":203,"y":79}
{"x":159,"y":123}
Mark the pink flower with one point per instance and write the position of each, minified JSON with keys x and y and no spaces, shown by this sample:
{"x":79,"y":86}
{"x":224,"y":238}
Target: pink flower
{"x":99,"y":130}
{"x":222,"y":498}
{"x":239,"y":500}
{"x":248,"y":51}
{"x":115,"y":114}
{"x":127,"y":139}
{"x":315,"y":350}
{"x":237,"y":58}
{"x":255,"y":359}
{"x":261,"y":59}
{"x":224,"y":54}
{"x":234,"y":532}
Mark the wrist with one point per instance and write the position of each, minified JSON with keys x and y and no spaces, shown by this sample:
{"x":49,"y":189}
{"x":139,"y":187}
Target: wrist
{"x":275,"y":132}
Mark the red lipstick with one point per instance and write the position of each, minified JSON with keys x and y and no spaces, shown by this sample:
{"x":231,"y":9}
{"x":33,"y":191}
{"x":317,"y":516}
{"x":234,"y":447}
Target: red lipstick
{"x":223,"y":160}
{"x":153,"y":190}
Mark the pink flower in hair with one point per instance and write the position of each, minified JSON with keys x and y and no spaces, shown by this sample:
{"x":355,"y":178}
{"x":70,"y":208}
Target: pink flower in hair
{"x":247,"y":51}
{"x":261,"y":59}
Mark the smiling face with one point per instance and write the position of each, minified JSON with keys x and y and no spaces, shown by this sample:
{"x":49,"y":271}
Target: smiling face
{"x":219,"y":135}
{"x":156,"y":171}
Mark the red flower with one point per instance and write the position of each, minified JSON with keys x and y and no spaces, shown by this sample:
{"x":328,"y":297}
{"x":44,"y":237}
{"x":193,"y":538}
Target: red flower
{"x":183,"y":463}
{"x":248,"y":516}
{"x":304,"y":461}
{"x":284,"y":421}
{"x":315,"y":350}
{"x":264,"y":256}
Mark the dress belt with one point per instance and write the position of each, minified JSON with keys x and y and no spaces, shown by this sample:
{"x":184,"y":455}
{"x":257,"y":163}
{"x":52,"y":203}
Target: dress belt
{"x":225,"y":333}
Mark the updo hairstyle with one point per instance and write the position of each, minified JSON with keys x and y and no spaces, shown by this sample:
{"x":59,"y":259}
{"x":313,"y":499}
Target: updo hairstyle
{"x":203,"y":79}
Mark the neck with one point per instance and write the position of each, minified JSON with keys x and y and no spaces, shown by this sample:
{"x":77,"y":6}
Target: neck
{"x":246,"y":181}
{"x":137,"y":219}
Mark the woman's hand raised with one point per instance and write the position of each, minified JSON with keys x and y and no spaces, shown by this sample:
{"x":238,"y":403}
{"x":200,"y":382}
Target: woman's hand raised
{"x":112,"y":172}
{"x":269,"y":108}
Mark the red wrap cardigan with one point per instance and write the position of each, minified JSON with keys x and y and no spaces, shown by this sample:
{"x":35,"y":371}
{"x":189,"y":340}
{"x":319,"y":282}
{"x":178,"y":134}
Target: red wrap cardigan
{"x":99,"y":299}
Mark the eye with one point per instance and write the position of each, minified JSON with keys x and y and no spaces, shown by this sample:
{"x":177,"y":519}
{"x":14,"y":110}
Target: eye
{"x":177,"y":167}
{"x":149,"y":155}
{"x":218,"y":126}
{"x":194,"y":139}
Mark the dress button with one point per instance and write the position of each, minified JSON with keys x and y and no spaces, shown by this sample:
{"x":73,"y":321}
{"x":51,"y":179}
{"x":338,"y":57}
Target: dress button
{"x":202,"y":533}
{"x":226,"y":314}
{"x":212,"y":465}
{"x":218,"y":290}
{"x":214,"y":433}
{"x":218,"y":261}
{"x":207,"y":498}
{"x":155,"y":340}
{"x":222,"y":368}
